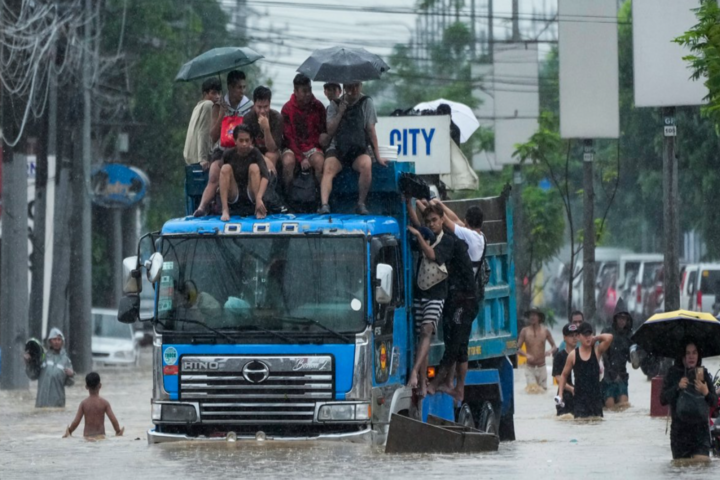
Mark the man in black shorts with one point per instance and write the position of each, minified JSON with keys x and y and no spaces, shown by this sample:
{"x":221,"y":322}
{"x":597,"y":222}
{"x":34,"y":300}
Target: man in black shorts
{"x":243,"y":176}
{"x":351,"y":125}
{"x":461,"y":308}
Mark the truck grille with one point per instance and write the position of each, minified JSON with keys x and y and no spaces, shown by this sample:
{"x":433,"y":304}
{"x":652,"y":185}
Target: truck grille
{"x":256,"y":390}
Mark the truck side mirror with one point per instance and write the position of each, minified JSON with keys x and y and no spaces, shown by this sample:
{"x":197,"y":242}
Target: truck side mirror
{"x":154,"y":267}
{"x":384,"y":285}
{"x":129,"y":309}
{"x":131,"y":276}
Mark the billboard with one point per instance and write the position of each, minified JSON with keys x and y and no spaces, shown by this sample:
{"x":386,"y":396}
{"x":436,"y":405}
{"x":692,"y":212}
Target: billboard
{"x":424,"y":140}
{"x":517,"y":99}
{"x":588,"y":48}
{"x":662,"y":77}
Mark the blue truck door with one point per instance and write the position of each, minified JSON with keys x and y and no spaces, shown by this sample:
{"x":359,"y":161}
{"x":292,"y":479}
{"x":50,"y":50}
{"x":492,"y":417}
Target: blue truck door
{"x":390,"y":320}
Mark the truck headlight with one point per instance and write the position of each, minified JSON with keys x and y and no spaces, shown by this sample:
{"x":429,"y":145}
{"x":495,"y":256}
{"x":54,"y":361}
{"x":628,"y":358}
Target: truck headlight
{"x":175,"y":413}
{"x":344,"y":411}
{"x":156,"y":411}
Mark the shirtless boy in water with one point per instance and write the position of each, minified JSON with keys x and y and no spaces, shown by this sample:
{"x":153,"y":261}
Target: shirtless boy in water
{"x":94,"y":409}
{"x":534,"y":337}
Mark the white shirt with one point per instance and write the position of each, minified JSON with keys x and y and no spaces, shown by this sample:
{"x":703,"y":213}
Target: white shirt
{"x":242,"y":107}
{"x":475,"y":242}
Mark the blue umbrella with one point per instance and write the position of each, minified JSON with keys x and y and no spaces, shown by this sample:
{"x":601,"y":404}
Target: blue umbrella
{"x":216,"y":61}
{"x":343,"y":65}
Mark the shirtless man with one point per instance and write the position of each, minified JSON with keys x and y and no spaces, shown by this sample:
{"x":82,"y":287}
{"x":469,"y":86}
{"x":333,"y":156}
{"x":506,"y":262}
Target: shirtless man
{"x":534,"y":337}
{"x":94,"y":409}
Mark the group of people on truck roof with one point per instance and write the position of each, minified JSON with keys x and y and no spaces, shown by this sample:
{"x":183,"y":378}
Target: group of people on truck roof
{"x":450,"y":284}
{"x":261,"y":159}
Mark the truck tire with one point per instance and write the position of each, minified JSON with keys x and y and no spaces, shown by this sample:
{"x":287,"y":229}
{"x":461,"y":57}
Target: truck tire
{"x":507,"y":428}
{"x":489,"y":419}
{"x":464,"y":416}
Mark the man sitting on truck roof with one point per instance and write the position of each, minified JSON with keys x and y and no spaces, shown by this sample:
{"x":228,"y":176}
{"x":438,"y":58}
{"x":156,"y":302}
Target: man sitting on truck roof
{"x":198,"y":142}
{"x":266,"y":127}
{"x":351,"y":122}
{"x":332,"y":91}
{"x":243,"y":176}
{"x":304,"y":124}
{"x":228,"y":111}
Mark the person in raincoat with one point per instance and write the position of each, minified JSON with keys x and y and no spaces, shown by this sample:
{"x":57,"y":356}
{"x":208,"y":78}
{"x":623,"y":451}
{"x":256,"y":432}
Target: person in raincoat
{"x":616,"y":358}
{"x":689,"y":435}
{"x":54,"y":374}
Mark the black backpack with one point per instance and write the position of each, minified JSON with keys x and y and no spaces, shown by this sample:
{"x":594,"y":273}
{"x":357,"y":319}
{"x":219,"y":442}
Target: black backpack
{"x":351,"y":138}
{"x":303,"y":195}
{"x":482,"y":275}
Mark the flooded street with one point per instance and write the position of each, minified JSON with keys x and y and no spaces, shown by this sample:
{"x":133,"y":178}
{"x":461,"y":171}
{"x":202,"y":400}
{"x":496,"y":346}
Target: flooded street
{"x":628,"y":444}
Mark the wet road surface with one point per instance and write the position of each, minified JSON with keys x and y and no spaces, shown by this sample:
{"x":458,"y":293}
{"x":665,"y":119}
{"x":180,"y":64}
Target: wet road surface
{"x":627,"y":444}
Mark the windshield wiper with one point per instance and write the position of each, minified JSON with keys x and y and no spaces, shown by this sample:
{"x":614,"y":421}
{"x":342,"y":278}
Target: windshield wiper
{"x":311,"y":321}
{"x":196,"y":322}
{"x":271,"y":332}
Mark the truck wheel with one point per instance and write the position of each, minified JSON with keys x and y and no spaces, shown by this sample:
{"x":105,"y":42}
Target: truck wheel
{"x":488,"y":420}
{"x":464,"y":416}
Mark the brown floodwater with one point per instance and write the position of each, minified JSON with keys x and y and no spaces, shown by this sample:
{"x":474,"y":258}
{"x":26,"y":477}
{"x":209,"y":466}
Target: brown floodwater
{"x":628,"y":444}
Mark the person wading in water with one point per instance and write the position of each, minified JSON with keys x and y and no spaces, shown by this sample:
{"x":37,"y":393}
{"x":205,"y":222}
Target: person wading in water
{"x":585,"y":365}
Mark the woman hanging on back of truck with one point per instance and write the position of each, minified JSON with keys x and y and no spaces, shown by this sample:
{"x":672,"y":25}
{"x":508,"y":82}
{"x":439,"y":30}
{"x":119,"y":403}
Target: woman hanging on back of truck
{"x":431,"y":286}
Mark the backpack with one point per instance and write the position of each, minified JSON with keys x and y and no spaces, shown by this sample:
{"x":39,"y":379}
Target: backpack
{"x":304,"y":190}
{"x":482,"y":275}
{"x":351,"y":139}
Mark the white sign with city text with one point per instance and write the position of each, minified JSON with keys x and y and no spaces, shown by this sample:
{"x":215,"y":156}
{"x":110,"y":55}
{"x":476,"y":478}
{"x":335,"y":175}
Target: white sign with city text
{"x":424,"y":140}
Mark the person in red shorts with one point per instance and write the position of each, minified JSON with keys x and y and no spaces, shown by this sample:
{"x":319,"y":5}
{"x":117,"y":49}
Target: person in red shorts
{"x":304,"y":127}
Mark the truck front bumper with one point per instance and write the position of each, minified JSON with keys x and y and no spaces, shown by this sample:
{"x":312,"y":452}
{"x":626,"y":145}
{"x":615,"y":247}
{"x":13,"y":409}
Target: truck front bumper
{"x":362,"y":436}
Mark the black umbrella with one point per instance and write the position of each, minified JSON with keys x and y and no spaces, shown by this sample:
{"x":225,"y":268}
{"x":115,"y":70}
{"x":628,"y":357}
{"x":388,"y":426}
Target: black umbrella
{"x":216,"y":61}
{"x":665,"y":334}
{"x":343,"y":65}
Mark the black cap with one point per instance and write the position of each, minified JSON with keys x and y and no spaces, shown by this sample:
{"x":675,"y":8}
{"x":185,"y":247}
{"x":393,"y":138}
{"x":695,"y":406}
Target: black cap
{"x":569,"y":329}
{"x":585,"y":329}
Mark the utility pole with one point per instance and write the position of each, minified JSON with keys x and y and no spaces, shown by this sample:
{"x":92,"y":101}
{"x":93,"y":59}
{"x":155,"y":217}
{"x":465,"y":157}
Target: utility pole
{"x":520,"y":257}
{"x":14,"y":250}
{"x":50,"y":202}
{"x":515,"y":20}
{"x":44,"y":201}
{"x":490,"y":30}
{"x":589,"y":307}
{"x":671,"y":273}
{"x":80,"y":285}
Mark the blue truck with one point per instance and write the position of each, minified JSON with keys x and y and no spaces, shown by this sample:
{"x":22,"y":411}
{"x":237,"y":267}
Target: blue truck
{"x":299,"y":326}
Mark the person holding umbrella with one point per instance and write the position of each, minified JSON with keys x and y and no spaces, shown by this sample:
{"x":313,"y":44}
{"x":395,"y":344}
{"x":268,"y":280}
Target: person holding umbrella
{"x":351,"y":119}
{"x":687,"y":389}
{"x":351,"y":124}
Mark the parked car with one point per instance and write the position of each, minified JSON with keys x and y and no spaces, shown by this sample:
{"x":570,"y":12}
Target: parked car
{"x":703,"y":287}
{"x":645,"y":265}
{"x":655,"y":298}
{"x":113,"y":343}
{"x":606,"y":259}
{"x":687,"y":278}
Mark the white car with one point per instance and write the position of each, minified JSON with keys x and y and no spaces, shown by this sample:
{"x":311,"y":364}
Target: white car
{"x":113,"y":343}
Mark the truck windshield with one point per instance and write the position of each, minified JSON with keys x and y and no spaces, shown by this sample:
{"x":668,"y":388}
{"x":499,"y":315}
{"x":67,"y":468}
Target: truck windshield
{"x":254,"y":284}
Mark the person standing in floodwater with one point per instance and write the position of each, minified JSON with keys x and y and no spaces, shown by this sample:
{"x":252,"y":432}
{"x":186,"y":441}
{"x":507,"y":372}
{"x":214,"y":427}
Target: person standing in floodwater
{"x":534,"y":337}
{"x":56,"y":372}
{"x":615,"y":380}
{"x":94,"y":408}
{"x":585,"y":366}
{"x":689,"y":437}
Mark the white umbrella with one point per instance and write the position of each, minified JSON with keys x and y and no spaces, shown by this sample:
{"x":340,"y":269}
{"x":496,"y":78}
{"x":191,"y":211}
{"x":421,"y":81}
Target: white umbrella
{"x":462,"y":115}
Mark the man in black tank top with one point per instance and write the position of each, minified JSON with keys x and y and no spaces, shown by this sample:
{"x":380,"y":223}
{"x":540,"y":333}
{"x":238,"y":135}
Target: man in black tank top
{"x":585,"y":366}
